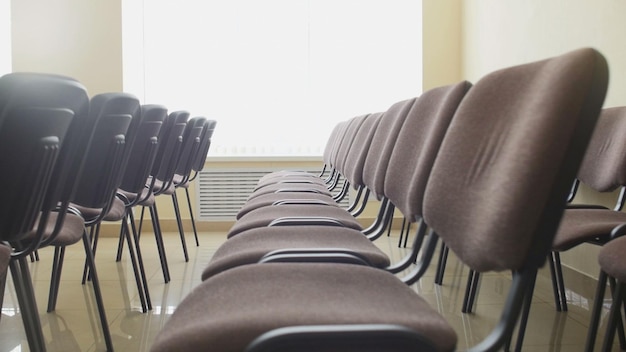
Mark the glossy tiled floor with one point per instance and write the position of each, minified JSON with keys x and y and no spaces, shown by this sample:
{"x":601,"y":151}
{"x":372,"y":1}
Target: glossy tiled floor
{"x":74,"y":325}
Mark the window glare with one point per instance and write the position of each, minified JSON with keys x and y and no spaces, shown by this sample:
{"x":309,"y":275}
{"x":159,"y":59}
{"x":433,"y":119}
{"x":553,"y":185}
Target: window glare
{"x":276,"y":74}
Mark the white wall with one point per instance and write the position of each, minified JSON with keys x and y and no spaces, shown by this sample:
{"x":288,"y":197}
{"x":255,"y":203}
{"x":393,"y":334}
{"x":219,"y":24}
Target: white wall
{"x":501,"y":33}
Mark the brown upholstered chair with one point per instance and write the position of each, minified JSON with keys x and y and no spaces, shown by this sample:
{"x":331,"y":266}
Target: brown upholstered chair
{"x":410,"y":163}
{"x":40,"y":115}
{"x":539,"y":117}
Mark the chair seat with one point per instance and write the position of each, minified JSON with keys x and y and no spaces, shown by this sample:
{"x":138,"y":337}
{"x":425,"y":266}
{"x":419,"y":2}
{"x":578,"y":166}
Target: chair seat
{"x":70,"y":233}
{"x":250,"y":246}
{"x":269,"y":199}
{"x":262,"y":217}
{"x":304,"y":180}
{"x":580,"y":225}
{"x":115,"y":213}
{"x":158,"y":186}
{"x":291,"y":187}
{"x":228,"y":311}
{"x":145,"y":194}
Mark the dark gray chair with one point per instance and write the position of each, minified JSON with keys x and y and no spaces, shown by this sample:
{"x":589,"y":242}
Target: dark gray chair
{"x":523,"y":129}
{"x":39,"y":117}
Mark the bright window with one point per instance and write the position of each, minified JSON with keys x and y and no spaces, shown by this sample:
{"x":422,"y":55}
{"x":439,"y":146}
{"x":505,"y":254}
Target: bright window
{"x":276,"y":74}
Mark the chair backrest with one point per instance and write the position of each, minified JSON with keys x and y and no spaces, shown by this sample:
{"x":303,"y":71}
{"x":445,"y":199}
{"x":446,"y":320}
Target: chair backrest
{"x":499,"y":184}
{"x":383,"y":141}
{"x":604,"y":165}
{"x":417,"y":145}
{"x":170,"y":142}
{"x":355,"y":160}
{"x":192,"y":142}
{"x":354,"y":125}
{"x":200,"y":159}
{"x":112,"y":115}
{"x":143,"y":151}
{"x":36,"y":112}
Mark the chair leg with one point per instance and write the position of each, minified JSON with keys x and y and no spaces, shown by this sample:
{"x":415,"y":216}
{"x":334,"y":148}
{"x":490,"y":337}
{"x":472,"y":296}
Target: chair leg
{"x":98,"y":294}
{"x":560,"y":283}
{"x":139,"y":276}
{"x":401,"y":231}
{"x":441,"y":264}
{"x":144,"y":280}
{"x":55,"y":279}
{"x":94,"y":235}
{"x":159,"y":241}
{"x":595,"y":313}
{"x":470,"y":291}
{"x":614,"y":316}
{"x":193,"y":221}
{"x":179,"y":222}
{"x":408,"y":232}
{"x":28,"y":305}
{"x":525,"y":313}
{"x":120,"y":245}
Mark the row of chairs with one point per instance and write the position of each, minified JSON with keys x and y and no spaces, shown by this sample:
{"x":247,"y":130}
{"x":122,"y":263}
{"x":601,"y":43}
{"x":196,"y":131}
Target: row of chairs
{"x":486,"y":168}
{"x":70,"y":162}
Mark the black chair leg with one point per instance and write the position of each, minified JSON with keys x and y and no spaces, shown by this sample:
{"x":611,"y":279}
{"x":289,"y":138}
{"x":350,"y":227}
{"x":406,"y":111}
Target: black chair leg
{"x":560,"y":283}
{"x":401,"y":232}
{"x":525,"y":313}
{"x":144,"y":279}
{"x":614,"y":316}
{"x":94,"y":234}
{"x":179,"y":222}
{"x":159,"y":242}
{"x":55,"y":279}
{"x":193,"y":221}
{"x":596,"y":311}
{"x":135,"y":265}
{"x":120,"y":245}
{"x":441,"y":264}
{"x":470,"y":291}
{"x":28,"y":305}
{"x":98,"y":294}
{"x":408,"y":232}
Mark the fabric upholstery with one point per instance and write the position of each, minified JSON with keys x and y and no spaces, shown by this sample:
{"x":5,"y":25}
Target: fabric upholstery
{"x":503,"y":152}
{"x":382,"y":144}
{"x":240,"y":304}
{"x":611,"y":258}
{"x":417,"y":146}
{"x":581,"y":225}
{"x":264,"y":216}
{"x":289,"y":187}
{"x":604,"y":165}
{"x":269,"y":199}
{"x":250,"y":246}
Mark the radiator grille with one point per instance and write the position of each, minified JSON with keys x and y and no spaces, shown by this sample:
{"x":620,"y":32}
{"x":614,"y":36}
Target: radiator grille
{"x":222,"y":192}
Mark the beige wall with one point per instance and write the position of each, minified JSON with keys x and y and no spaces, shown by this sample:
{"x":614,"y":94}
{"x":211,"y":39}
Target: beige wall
{"x":77,"y":38}
{"x":442,"y":45}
